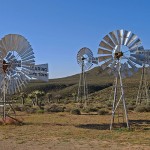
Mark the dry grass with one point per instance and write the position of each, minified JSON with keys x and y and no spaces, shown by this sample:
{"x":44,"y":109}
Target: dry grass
{"x":66,"y":131}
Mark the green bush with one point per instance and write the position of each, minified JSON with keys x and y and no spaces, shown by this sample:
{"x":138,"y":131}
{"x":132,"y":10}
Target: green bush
{"x":102,"y":111}
{"x":75,"y":112}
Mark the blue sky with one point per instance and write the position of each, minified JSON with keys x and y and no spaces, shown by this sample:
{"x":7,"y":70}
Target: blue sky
{"x":58,"y":29}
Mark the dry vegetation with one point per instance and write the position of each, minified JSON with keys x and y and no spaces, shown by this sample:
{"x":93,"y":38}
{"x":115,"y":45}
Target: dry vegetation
{"x":66,"y":131}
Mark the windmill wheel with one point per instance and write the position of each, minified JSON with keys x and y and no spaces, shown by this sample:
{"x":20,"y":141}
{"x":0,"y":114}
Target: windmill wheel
{"x":84,"y":57}
{"x":16,"y":59}
{"x":120,"y":46}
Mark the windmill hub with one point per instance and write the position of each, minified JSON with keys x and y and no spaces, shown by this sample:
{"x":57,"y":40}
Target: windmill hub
{"x":118,"y":55}
{"x":5,"y":66}
{"x":83,"y":58}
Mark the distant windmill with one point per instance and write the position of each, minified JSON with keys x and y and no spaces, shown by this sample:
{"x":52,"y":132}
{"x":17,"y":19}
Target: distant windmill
{"x":143,"y":91}
{"x":85,"y":59}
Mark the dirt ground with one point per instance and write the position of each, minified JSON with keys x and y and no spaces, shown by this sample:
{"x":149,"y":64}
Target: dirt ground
{"x":63,"y":131}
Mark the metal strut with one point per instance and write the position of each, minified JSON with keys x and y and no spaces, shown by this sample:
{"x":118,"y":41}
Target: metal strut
{"x":118,"y":89}
{"x":4,"y":103}
{"x":82,"y":89}
{"x":143,"y":96}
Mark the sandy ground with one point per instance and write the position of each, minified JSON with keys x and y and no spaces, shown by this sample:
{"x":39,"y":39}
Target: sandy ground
{"x":62,"y":131}
{"x":57,"y":144}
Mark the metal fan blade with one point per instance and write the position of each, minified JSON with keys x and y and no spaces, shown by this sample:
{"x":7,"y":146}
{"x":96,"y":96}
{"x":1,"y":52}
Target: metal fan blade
{"x":113,"y":65}
{"x":2,"y":48}
{"x":103,"y":51}
{"x":131,"y":39}
{"x":104,"y":66}
{"x":136,"y":61}
{"x":89,"y":53}
{"x":6,"y":41}
{"x":28,"y":58}
{"x":25,"y":51}
{"x":102,"y":58}
{"x":15,"y":41}
{"x":30,"y":62}
{"x":27,"y":54}
{"x":109,"y":41}
{"x":105,"y":45}
{"x":26,"y":72}
{"x":129,"y":72}
{"x":8,"y":55}
{"x":24,"y":78}
{"x":141,"y":48}
{"x":126,"y":37}
{"x":4,"y":44}
{"x":120,"y":36}
{"x":24,"y":46}
{"x":20,"y":43}
{"x":26,"y":67}
{"x":113,"y":36}
{"x":135,"y":44}
{"x":21,"y":81}
{"x":11,"y":57}
{"x":135,"y":69}
{"x":138,"y":56}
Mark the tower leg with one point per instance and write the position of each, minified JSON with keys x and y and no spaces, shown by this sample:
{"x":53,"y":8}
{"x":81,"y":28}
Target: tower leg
{"x":118,"y":89}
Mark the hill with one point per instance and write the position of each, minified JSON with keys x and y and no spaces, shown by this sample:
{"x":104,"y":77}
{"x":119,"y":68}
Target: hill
{"x":99,"y":84}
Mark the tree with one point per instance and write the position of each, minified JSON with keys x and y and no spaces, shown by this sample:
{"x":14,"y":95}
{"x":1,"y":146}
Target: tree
{"x":74,"y":95}
{"x":38,"y":94}
{"x":49,"y":96}
{"x":32,"y":97}
{"x":58,"y":97}
{"x":23,"y":96}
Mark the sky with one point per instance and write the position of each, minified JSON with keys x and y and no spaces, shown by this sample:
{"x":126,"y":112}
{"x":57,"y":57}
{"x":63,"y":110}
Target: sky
{"x":58,"y":29}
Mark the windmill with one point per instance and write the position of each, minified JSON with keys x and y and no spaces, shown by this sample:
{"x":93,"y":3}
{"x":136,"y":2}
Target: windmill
{"x":143,"y":92}
{"x":16,"y":68}
{"x":85,"y":59}
{"x":116,"y":50}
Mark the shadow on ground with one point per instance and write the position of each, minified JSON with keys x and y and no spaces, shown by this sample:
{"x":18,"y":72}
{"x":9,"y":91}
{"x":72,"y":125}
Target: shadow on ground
{"x":132,"y":123}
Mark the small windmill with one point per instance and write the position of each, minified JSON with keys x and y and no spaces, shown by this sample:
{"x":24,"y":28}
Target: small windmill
{"x":116,"y":51}
{"x":16,"y":68}
{"x":85,"y":59}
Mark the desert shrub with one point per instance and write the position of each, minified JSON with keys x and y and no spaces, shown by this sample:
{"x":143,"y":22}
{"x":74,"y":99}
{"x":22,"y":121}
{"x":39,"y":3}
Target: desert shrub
{"x":31,"y":110}
{"x":54,"y":108}
{"x":147,"y":108}
{"x":109,"y":103}
{"x":68,"y":109}
{"x":102,"y":111}
{"x":26,"y":107}
{"x":130,"y":107}
{"x":79,"y":105}
{"x":40,"y":111}
{"x":75,"y":111}
{"x":17,"y":108}
{"x":140,"y":109}
{"x":90,"y":109}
